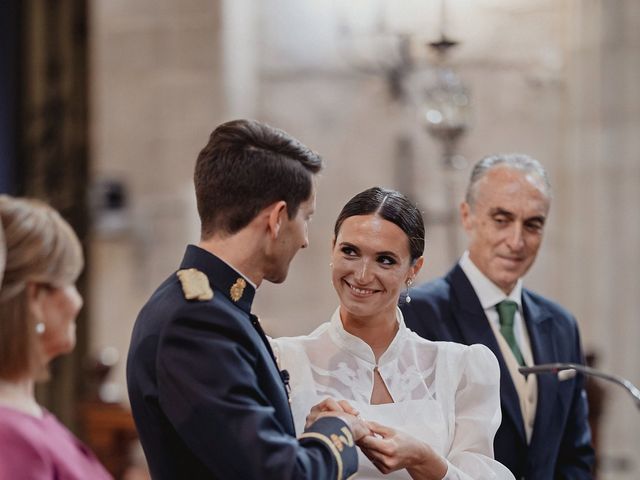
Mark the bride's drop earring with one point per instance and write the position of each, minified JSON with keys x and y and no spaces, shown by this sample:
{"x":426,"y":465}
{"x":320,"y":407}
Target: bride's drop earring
{"x":407,"y":298}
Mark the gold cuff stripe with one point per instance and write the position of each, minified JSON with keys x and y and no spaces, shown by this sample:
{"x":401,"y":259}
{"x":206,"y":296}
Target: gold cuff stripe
{"x":331,"y":446}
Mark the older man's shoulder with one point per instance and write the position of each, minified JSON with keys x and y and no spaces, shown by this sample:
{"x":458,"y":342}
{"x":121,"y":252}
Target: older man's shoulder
{"x":544,"y":307}
{"x":545,"y":303}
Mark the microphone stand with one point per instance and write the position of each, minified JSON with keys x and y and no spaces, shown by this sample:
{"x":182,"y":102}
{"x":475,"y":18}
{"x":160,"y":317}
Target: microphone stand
{"x":557,"y":367}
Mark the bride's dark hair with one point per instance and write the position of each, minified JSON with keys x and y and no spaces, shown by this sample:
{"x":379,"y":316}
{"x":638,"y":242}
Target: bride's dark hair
{"x":394,"y":207}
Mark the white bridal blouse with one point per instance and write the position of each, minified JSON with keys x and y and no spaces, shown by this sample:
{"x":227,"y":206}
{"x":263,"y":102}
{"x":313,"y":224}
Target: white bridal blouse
{"x":445,"y":394}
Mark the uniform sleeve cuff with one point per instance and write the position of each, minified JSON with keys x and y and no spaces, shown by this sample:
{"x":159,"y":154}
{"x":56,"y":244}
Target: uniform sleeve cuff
{"x":334,"y":433}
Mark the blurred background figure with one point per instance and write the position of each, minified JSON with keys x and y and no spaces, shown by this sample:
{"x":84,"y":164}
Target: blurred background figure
{"x":38,"y":308}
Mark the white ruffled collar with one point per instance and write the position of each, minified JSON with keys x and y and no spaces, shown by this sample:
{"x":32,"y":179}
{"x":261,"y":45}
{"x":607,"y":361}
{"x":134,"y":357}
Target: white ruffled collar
{"x":360,"y":348}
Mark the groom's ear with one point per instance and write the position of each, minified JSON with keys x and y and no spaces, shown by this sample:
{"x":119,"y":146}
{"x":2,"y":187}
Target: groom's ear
{"x":275,"y":217}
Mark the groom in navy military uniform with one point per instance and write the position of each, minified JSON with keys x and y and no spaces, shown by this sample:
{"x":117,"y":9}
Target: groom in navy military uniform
{"x":544,"y":433}
{"x":206,"y":395}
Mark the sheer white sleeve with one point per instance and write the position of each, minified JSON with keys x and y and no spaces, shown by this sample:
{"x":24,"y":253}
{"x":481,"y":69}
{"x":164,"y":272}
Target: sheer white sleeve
{"x":477,"y":418}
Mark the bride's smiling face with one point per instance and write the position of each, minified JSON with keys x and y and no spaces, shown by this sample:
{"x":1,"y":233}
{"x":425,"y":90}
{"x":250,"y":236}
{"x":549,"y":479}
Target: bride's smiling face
{"x":371,"y":265}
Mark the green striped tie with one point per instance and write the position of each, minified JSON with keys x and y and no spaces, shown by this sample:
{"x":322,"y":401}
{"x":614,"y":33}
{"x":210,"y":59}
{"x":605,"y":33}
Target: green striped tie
{"x":506,"y":312}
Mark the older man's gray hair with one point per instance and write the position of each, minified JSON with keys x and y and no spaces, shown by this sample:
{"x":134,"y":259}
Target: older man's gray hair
{"x":518,"y":161}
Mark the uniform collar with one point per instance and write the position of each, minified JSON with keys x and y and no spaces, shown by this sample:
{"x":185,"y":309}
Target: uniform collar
{"x":222,"y":276}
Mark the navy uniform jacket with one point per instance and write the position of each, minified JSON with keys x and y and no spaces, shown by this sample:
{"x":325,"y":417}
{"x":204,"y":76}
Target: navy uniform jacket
{"x":449,"y":309}
{"x":206,"y":395}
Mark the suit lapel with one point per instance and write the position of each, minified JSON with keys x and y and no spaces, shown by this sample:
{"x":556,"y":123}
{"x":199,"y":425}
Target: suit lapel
{"x":475,"y":328}
{"x":539,"y":325}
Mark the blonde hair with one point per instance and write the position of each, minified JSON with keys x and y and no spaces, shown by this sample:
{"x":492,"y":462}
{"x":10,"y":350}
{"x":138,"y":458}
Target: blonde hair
{"x":42,"y":248}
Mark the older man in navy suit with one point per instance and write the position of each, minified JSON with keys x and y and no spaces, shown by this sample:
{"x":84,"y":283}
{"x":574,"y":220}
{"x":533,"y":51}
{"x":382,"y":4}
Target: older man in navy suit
{"x":544,"y":433}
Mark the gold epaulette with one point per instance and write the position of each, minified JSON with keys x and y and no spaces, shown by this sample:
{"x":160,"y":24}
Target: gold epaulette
{"x":195,"y":284}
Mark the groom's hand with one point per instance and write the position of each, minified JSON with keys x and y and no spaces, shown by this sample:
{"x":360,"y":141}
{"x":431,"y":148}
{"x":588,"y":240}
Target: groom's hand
{"x":343,"y":410}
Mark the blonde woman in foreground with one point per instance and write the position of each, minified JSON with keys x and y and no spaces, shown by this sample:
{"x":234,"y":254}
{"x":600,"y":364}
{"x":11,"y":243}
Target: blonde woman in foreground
{"x":38,"y":307}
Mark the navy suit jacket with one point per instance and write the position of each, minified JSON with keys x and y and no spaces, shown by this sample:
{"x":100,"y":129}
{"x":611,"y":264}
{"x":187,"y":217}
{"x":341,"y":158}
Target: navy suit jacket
{"x":206,"y":394}
{"x":449,"y":309}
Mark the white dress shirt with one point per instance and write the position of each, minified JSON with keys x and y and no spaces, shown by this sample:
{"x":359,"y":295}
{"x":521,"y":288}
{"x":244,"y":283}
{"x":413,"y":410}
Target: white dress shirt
{"x":445,"y":394}
{"x":490,"y":295}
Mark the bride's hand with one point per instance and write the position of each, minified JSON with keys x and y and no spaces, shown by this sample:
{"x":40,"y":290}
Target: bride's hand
{"x":390,"y":450}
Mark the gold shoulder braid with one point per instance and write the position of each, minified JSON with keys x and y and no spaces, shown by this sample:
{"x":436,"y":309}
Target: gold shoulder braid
{"x":237,"y":289}
{"x":195,"y":284}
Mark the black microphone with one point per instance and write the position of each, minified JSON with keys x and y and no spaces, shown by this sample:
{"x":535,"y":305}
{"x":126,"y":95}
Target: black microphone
{"x":558,"y":367}
{"x":284,"y":374}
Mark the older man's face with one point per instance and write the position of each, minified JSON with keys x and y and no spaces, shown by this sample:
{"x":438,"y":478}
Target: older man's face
{"x":505,"y":224}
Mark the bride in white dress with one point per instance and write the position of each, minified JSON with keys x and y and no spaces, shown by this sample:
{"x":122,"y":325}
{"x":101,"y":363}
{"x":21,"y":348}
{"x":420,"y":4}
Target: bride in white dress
{"x":433,"y":407}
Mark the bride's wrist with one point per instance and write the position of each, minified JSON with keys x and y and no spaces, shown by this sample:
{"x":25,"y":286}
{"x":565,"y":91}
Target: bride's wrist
{"x":428,"y":465}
